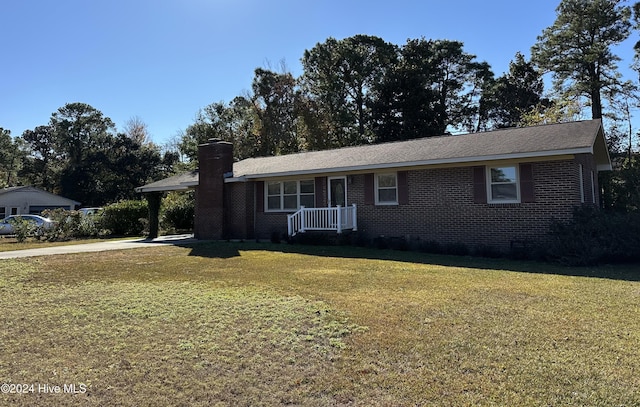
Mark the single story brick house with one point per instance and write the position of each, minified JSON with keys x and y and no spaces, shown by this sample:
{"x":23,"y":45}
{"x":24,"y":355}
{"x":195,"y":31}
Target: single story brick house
{"x":24,"y":200}
{"x":490,"y":188}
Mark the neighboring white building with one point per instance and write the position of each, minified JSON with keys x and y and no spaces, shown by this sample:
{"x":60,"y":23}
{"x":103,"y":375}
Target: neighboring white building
{"x":31,"y":200}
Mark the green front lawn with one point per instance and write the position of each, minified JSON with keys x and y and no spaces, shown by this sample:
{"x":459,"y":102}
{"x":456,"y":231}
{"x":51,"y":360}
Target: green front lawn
{"x":262,"y":324}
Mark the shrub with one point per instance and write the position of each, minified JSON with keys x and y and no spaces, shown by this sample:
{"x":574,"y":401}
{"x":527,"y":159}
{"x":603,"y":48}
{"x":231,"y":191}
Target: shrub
{"x":595,"y":237}
{"x":276,"y":237}
{"x":24,"y":229}
{"x":70,"y":225}
{"x":431,"y":246}
{"x":485,"y":250}
{"x":456,"y":249}
{"x":177,"y":211}
{"x":126,"y":218}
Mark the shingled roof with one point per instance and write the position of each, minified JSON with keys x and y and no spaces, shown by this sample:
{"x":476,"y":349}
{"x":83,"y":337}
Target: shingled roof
{"x":514,"y":143}
{"x":178,"y":182}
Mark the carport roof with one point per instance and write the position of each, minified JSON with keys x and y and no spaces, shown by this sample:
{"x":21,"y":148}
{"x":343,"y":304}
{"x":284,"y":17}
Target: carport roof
{"x":180,"y":182}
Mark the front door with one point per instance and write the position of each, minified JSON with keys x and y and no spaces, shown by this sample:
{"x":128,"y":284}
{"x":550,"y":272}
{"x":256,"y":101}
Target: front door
{"x":338,"y":191}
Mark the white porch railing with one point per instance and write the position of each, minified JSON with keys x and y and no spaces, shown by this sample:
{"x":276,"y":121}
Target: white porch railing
{"x":337,"y":218}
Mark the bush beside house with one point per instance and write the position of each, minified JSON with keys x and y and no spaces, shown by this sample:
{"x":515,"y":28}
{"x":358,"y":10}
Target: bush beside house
{"x":177,"y":211}
{"x":595,"y":237}
{"x":126,"y":218}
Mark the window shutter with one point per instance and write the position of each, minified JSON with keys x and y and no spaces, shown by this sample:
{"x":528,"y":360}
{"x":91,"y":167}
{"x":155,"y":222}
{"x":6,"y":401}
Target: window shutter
{"x":321,"y":201}
{"x":479,"y":185}
{"x":368,"y":189}
{"x":527,"y":193}
{"x":260,"y":196}
{"x":403,"y":188}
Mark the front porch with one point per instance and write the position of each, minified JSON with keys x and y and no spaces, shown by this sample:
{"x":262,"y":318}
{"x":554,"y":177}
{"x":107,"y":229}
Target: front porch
{"x":336,"y":219}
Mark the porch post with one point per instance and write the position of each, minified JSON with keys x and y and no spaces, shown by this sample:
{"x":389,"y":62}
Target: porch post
{"x":339,"y":219}
{"x":355,"y":217}
{"x":153,"y":199}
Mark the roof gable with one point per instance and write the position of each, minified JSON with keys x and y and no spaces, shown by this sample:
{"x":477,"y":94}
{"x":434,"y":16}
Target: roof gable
{"x":514,"y":143}
{"x":33,"y":191}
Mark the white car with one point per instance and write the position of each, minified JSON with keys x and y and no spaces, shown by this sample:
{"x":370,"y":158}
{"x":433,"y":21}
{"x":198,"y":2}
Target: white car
{"x":6,"y":226}
{"x":90,"y":211}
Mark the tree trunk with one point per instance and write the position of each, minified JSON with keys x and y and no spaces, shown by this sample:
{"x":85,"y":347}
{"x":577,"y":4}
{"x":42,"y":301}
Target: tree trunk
{"x":596,"y":104}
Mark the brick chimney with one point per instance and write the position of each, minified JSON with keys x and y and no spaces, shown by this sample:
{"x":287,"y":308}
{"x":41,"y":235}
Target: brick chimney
{"x":215,"y":160}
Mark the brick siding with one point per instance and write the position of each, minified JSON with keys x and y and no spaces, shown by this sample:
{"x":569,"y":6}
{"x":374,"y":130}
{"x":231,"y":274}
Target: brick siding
{"x":440,"y":207}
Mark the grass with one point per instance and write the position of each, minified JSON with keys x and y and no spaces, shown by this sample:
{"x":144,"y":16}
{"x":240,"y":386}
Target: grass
{"x":262,"y":324}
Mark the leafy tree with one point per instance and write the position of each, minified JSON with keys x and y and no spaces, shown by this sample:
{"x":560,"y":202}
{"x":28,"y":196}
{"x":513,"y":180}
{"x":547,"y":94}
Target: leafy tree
{"x":82,"y":138}
{"x":339,"y":77}
{"x":552,"y":111}
{"x":12,"y":154}
{"x":435,"y":88}
{"x":458,"y":84}
{"x":41,"y":168}
{"x":623,"y":184}
{"x":209,"y":123}
{"x":636,"y":25}
{"x":235,"y":122}
{"x":79,"y":130}
{"x":78,"y":156}
{"x":515,"y":93}
{"x":129,"y":164}
{"x":405,"y":102}
{"x":577,"y":48}
{"x":275,"y":104}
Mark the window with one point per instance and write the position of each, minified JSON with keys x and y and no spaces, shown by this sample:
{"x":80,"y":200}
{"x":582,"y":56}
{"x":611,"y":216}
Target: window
{"x":307,"y":193}
{"x":290,"y":195}
{"x":387,"y":189}
{"x":503,"y":184}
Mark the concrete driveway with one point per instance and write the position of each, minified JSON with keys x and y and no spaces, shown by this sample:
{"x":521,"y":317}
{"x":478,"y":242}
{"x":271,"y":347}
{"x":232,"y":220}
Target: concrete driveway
{"x":100,"y":246}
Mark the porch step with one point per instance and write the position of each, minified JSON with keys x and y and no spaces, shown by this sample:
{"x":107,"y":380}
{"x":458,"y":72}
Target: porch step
{"x":335,"y":219}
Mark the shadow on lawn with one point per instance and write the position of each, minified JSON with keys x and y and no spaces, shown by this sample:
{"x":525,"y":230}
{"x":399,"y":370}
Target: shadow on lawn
{"x":225,"y":250}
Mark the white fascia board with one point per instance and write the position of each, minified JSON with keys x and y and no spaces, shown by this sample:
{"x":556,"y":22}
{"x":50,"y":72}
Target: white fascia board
{"x":446,"y":161}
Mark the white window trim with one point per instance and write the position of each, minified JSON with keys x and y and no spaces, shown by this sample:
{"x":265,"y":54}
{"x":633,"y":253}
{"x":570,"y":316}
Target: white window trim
{"x":282,"y":194}
{"x":376,"y":189}
{"x":489,"y":191}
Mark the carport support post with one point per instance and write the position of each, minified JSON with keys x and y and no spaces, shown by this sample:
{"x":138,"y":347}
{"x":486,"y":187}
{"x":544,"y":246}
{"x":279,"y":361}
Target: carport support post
{"x":154,"y":199}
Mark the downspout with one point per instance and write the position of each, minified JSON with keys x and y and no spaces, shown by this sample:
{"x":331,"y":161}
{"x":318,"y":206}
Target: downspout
{"x":255,"y":209}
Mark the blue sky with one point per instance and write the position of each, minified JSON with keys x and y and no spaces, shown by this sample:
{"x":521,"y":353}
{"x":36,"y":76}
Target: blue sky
{"x":163,"y":60}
